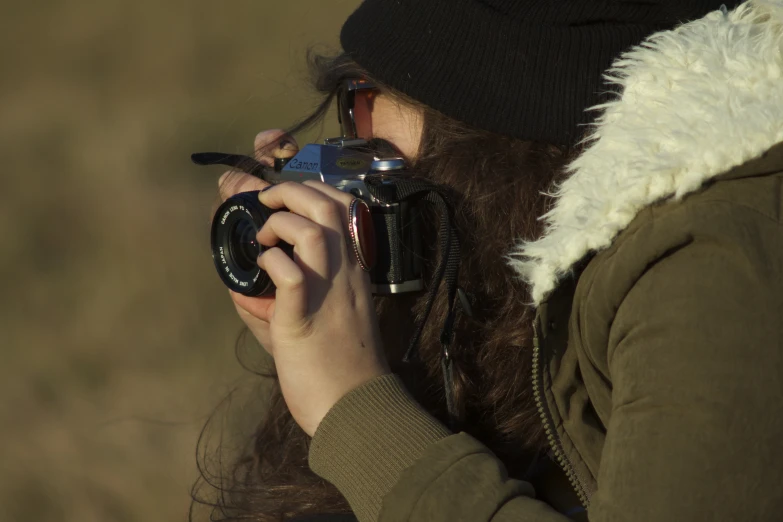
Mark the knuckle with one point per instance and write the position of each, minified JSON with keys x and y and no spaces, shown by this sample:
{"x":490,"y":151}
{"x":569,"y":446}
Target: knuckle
{"x":293,"y":282}
{"x":325,"y":209}
{"x":346,"y":198}
{"x":283,"y":187}
{"x":273,"y":221}
{"x":271,"y":225}
{"x":313,"y":237}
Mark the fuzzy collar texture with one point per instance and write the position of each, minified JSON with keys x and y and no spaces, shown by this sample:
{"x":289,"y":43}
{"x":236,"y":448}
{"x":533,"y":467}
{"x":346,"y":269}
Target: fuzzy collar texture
{"x":696,"y":101}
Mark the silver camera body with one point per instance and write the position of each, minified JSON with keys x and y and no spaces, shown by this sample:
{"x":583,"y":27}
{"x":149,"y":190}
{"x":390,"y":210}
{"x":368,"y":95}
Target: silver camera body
{"x":345,"y":164}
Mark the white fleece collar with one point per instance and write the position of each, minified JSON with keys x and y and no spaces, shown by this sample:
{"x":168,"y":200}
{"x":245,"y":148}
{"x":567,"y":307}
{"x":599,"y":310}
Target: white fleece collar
{"x":696,"y":101}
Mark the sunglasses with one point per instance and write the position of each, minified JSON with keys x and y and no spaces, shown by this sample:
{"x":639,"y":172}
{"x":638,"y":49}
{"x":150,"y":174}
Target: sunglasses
{"x":354,"y":108}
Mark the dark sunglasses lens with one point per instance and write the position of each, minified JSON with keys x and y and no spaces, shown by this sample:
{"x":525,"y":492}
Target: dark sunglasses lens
{"x":345,"y":100}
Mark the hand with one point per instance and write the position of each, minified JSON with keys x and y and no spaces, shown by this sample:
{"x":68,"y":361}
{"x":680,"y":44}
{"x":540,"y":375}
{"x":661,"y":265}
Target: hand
{"x":269,"y":144}
{"x":320,"y":327}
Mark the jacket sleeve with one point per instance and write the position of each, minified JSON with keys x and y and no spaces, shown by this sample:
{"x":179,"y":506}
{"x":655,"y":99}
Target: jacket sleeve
{"x":394,"y":462}
{"x":695,"y":355}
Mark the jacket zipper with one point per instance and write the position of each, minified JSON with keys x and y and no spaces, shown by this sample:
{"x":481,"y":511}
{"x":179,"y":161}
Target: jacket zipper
{"x":551,"y":433}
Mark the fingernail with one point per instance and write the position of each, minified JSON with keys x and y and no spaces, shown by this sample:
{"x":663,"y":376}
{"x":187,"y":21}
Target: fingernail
{"x":286,"y":145}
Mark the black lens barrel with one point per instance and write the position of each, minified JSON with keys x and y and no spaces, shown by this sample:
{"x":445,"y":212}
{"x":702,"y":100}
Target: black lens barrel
{"x":234,"y":246}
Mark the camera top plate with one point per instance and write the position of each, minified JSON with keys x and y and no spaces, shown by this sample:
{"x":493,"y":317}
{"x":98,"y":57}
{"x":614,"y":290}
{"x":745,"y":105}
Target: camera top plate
{"x":340,"y":162}
{"x":332,"y":163}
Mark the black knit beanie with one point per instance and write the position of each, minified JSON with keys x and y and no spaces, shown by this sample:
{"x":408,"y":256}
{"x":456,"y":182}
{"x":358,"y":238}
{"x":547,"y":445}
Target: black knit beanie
{"x":523,"y":68}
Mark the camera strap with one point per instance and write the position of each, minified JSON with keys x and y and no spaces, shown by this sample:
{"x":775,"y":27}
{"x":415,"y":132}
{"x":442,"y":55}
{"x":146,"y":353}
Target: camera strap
{"x":446,"y":271}
{"x":238,"y":161}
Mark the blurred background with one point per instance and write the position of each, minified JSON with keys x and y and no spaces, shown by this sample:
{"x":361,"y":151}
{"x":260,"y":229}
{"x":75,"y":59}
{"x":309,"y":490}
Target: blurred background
{"x":116,"y":335}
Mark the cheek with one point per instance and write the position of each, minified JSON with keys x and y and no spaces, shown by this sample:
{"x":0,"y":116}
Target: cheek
{"x":401,"y":126}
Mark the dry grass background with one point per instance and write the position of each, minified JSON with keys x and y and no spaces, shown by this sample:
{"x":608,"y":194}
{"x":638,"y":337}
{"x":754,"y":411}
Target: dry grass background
{"x":116,"y":337}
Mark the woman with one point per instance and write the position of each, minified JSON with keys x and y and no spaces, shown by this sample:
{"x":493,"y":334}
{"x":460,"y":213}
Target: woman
{"x":656,"y":352}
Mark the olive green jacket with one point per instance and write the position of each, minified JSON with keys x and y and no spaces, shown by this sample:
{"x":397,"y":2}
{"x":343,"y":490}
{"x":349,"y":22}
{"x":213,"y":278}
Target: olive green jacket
{"x":658,"y":359}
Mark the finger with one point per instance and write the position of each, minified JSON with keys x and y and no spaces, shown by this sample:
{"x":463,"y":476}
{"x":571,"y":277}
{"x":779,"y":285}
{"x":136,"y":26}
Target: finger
{"x":291,"y":296}
{"x":343,"y":200}
{"x":306,"y":201}
{"x":310,"y":240}
{"x":234,"y":181}
{"x":274,"y":143}
{"x":250,"y":310}
{"x":253,"y":309}
{"x":329,"y":191}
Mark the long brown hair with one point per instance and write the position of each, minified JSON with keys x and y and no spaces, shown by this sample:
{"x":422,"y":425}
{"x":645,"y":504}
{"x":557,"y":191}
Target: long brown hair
{"x":498,"y":182}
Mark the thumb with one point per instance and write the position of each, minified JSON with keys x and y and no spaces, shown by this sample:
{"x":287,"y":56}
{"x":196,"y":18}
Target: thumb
{"x":255,"y":312}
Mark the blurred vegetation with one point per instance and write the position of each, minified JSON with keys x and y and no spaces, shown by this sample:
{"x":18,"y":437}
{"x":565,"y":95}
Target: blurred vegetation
{"x":117,"y":338}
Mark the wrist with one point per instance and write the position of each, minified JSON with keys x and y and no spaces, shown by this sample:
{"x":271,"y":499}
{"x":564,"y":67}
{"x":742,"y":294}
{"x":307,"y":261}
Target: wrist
{"x":368,"y":438}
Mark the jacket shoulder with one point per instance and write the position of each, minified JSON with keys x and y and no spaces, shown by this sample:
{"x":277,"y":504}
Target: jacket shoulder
{"x":737,"y":220}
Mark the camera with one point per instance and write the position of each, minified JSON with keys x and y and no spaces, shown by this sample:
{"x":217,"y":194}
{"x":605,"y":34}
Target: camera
{"x":349,"y":165}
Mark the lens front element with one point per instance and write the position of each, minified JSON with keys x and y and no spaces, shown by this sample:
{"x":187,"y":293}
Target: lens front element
{"x":234,"y":246}
{"x":243,"y":244}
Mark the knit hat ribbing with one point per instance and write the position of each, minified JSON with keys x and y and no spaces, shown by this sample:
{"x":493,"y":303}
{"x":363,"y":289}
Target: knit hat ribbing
{"x":524,"y":68}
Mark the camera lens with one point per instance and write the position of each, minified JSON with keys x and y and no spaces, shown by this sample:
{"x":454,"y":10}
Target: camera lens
{"x":234,"y":246}
{"x":243,"y":244}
